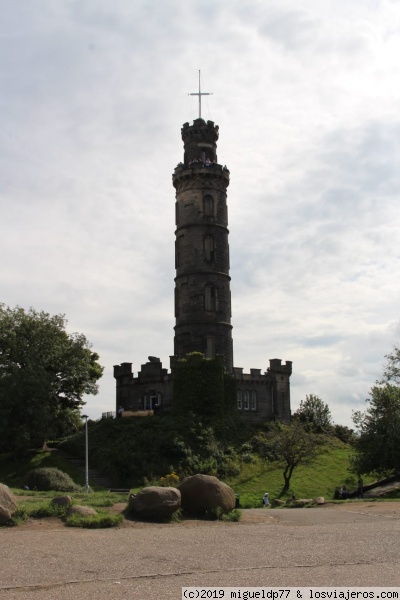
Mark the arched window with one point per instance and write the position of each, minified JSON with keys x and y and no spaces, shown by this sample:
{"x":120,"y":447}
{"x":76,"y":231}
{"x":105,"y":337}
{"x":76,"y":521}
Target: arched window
{"x":210,"y":346}
{"x":253,"y":401}
{"x":176,"y":296}
{"x":208,"y":206}
{"x":208,"y":247}
{"x":246,"y":400}
{"x":210,"y":297}
{"x":239,"y":399}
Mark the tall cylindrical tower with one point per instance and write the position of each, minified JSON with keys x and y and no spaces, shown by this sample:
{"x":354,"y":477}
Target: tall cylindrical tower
{"x":202,"y":282}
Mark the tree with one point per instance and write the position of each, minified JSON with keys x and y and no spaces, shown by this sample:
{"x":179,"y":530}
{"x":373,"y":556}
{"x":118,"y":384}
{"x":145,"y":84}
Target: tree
{"x":377,"y":443}
{"x":314,"y":411}
{"x":44,"y":373}
{"x":294,"y":446}
{"x":391,"y":373}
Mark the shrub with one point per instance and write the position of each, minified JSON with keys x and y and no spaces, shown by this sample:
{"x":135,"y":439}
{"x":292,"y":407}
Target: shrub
{"x":170,"y":480}
{"x":49,"y":478}
{"x":217,"y":514}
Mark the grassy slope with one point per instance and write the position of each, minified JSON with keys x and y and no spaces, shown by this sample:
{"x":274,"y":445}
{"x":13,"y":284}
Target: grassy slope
{"x":320,"y":479}
{"x":12,"y":473}
{"x":330,"y":470}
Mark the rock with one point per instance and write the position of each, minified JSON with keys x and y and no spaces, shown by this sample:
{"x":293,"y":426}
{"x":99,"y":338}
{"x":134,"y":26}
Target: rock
{"x":62,"y":501}
{"x":320,"y":500}
{"x":203,"y":493}
{"x":155,"y":502}
{"x":84,"y":511}
{"x":276,"y":502}
{"x":5,"y":515}
{"x":302,"y":502}
{"x":8,"y":504}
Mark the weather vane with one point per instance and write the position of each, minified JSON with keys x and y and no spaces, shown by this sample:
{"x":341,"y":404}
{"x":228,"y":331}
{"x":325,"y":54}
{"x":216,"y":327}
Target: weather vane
{"x":200,"y":94}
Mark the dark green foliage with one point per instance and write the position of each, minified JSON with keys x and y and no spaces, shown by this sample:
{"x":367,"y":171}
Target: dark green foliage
{"x":129,"y":450}
{"x":44,"y":479}
{"x":201,"y":385}
{"x":314,"y":413}
{"x":44,"y":372}
{"x":377,"y":443}
{"x":343,"y":433}
{"x":217,"y":514}
{"x":391,"y":373}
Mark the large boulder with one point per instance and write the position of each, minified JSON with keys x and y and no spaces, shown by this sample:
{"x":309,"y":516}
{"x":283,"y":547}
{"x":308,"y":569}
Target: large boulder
{"x":155,"y":502}
{"x":84,"y":511}
{"x":62,"y":501}
{"x":5,"y":515}
{"x":204,"y":493}
{"x":8,"y":504}
{"x":277,"y":502}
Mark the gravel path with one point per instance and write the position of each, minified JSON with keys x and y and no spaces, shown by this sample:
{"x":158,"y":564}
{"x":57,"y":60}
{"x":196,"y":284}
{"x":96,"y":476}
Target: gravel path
{"x":351,"y":544}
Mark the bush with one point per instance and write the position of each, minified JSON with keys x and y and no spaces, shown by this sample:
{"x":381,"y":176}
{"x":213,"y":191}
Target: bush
{"x":217,"y":514}
{"x":48,"y":478}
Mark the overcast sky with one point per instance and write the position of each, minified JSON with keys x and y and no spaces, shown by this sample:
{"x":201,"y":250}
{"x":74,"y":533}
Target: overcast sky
{"x":307,"y":99}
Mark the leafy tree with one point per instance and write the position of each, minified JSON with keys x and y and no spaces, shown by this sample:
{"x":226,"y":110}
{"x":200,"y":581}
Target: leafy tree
{"x":293,"y":446}
{"x":391,"y":373}
{"x":44,"y":372}
{"x":377,"y":443}
{"x":314,"y":411}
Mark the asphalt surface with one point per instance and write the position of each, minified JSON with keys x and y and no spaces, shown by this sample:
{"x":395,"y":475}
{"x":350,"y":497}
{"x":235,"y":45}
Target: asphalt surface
{"x":354,"y":545}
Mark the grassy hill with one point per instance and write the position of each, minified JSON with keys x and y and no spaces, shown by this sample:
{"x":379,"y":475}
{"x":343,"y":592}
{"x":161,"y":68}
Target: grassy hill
{"x":13,"y":472}
{"x":331,"y":469}
{"x":251,"y":476}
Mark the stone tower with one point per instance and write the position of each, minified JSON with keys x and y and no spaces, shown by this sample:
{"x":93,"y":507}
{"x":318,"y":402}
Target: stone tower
{"x":202,"y":282}
{"x":202,"y":294}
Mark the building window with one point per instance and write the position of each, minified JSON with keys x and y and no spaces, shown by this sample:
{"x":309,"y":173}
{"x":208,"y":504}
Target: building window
{"x":210,"y":346}
{"x":178,"y":248}
{"x":253,"y":401}
{"x":176,"y":303}
{"x":208,"y":206}
{"x":246,"y":401}
{"x":210,"y":297}
{"x":208,"y":247}
{"x":239,"y":400}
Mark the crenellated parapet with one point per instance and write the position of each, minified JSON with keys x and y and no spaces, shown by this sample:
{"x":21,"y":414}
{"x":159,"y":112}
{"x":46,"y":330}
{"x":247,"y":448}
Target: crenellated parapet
{"x":200,"y":140}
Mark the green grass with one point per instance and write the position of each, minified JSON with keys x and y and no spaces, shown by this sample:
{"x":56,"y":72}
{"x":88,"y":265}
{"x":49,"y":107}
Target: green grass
{"x":331,"y":469}
{"x":99,"y":521}
{"x":39,"y":507}
{"x":13,"y":473}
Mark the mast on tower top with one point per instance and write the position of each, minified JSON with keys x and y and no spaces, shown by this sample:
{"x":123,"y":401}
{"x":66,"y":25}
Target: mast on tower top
{"x":200,"y":94}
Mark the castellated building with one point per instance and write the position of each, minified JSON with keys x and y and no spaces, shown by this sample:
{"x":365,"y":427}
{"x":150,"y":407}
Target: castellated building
{"x":202,"y":292}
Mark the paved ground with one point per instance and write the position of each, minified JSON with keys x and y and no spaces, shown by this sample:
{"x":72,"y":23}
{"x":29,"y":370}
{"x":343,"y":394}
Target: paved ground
{"x":354,"y":544}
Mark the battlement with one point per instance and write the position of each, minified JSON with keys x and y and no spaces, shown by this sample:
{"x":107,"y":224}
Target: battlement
{"x":200,"y":128}
{"x":122,"y":370}
{"x":200,"y":141}
{"x":276,"y":366}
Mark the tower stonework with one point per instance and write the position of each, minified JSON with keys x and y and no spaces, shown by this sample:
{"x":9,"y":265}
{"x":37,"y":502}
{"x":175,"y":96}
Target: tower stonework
{"x":202,"y":283}
{"x":202,"y":293}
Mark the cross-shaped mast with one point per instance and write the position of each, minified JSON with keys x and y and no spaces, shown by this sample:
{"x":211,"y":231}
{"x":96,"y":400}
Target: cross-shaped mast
{"x":200,"y":94}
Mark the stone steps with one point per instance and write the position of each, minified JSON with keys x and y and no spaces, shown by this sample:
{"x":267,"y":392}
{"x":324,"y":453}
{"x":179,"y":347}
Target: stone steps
{"x":95,"y":478}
